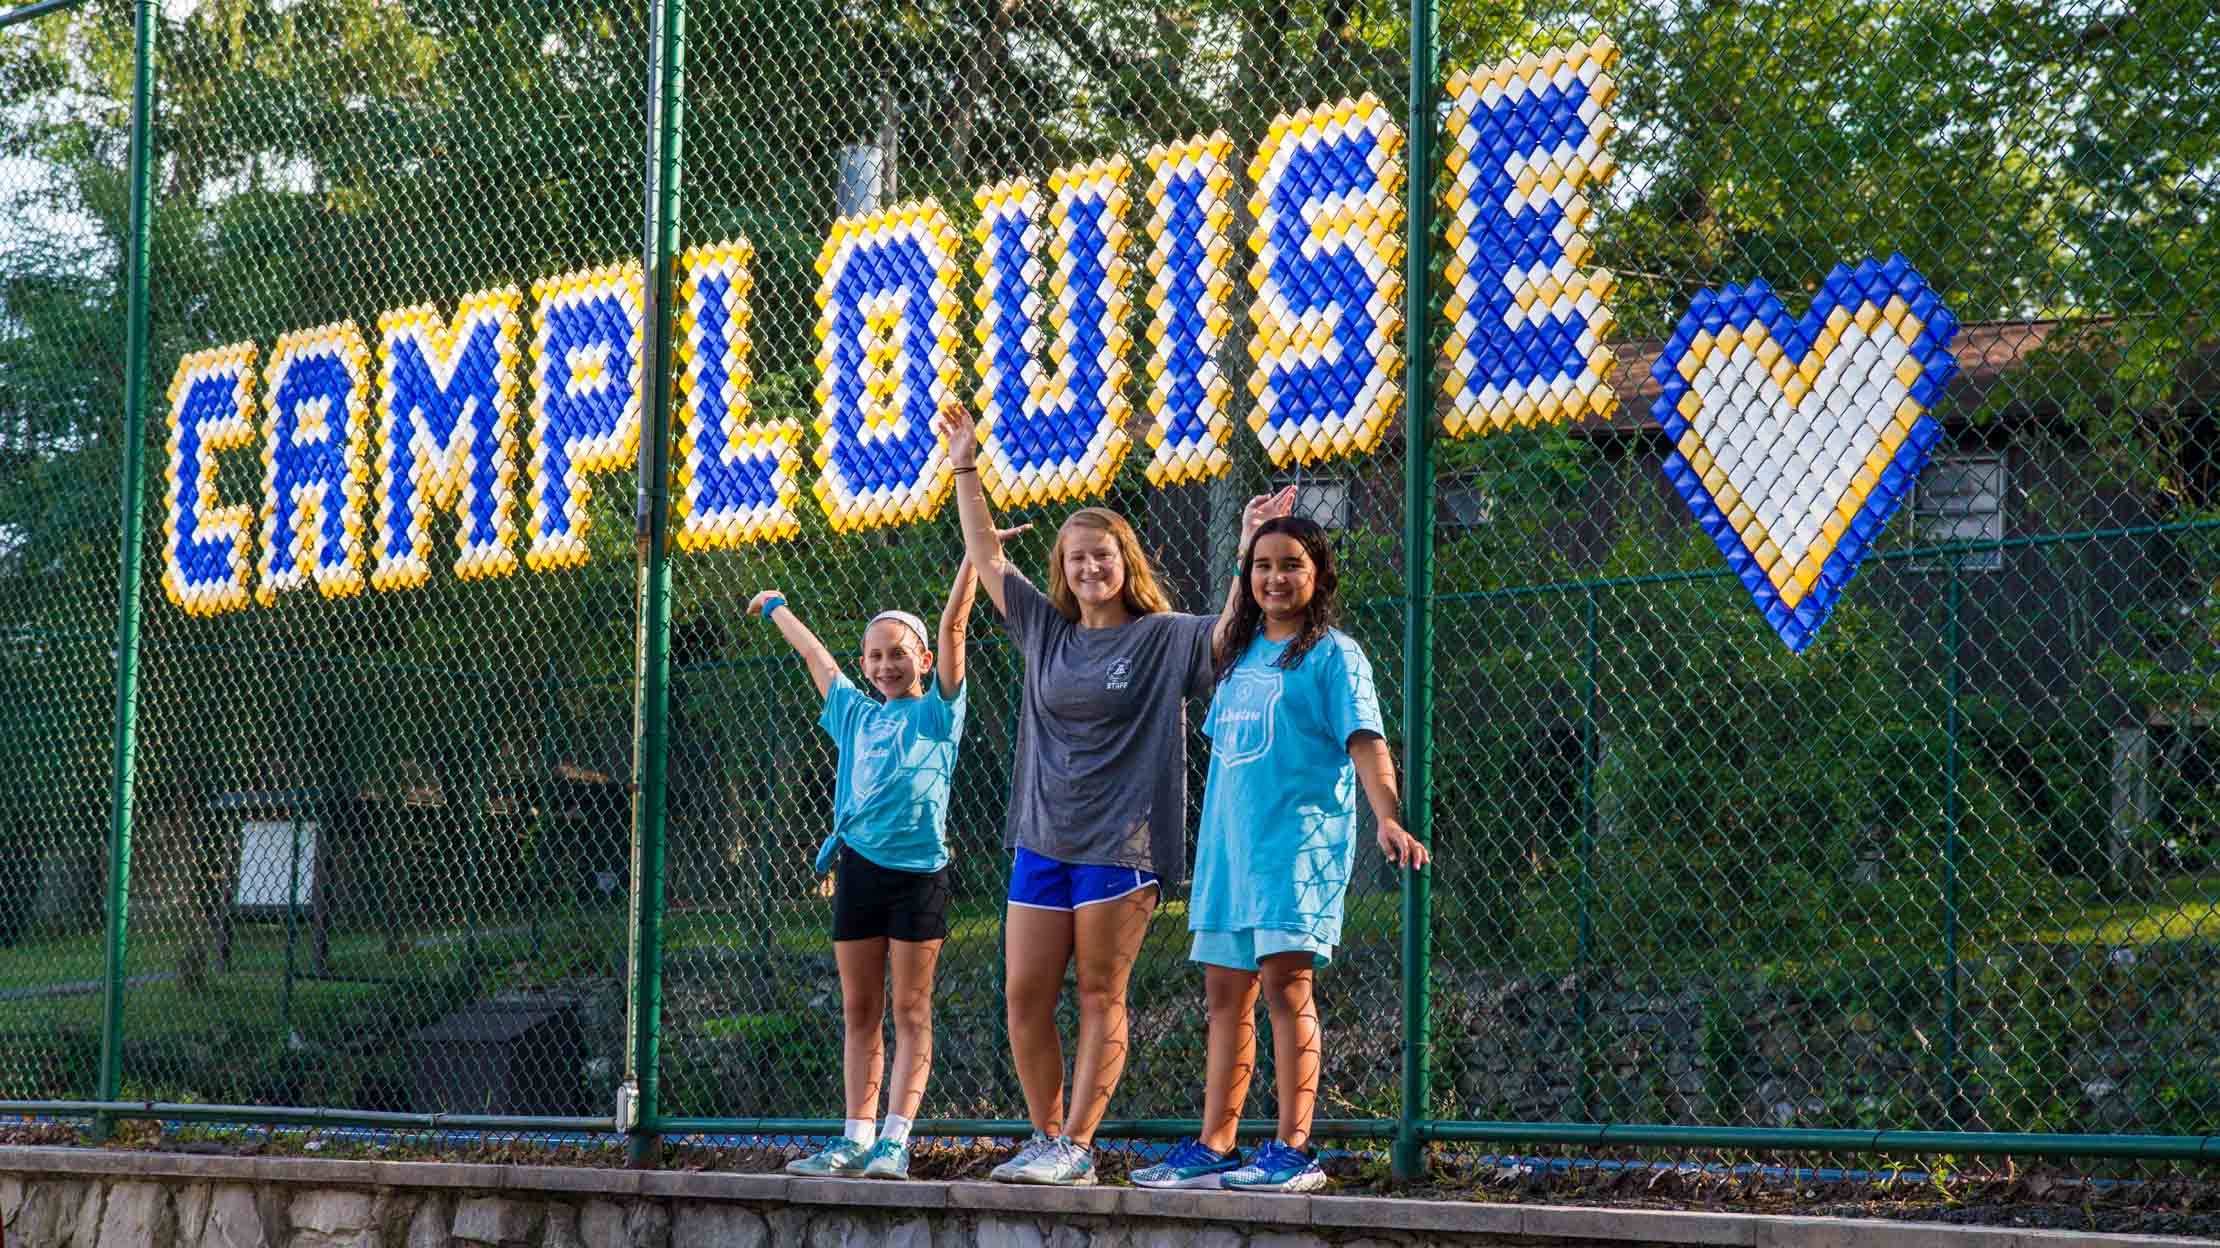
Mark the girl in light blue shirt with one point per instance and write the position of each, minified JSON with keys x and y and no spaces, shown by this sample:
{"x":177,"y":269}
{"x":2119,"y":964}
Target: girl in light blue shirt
{"x":888,"y":853}
{"x":1294,"y":732}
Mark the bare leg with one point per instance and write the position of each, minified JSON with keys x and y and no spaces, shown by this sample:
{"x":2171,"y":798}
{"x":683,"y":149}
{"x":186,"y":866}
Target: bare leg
{"x":1036,"y":949}
{"x":913,"y":1023}
{"x":863,"y":1010}
{"x":1232,"y":998}
{"x":1105,"y":937}
{"x":1295,"y":1041}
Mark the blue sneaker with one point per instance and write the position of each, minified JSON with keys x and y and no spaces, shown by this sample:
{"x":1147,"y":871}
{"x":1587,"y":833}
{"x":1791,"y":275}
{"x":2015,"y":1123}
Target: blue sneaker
{"x":1191,"y":1164}
{"x":1278,"y":1168}
{"x":887,"y":1160}
{"x":843,"y":1160}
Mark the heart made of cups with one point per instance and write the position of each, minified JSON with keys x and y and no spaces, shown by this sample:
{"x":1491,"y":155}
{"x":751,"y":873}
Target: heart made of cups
{"x":1795,"y":440}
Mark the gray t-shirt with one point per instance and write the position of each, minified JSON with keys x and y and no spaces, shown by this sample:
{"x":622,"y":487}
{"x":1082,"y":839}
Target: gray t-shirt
{"x":1101,"y":771}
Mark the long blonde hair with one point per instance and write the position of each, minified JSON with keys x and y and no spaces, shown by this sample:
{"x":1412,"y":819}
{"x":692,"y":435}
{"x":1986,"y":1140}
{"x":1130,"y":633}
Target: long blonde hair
{"x":1140,"y":595}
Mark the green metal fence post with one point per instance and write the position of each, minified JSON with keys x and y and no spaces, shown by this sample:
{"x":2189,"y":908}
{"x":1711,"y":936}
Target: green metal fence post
{"x":477,"y":896}
{"x":296,"y":783}
{"x":765,"y":833}
{"x":1953,"y":1112}
{"x":1584,"y":1052}
{"x":637,"y":1105}
{"x":136,"y":346}
{"x":544,"y":832}
{"x":34,"y":11}
{"x":1418,"y":589}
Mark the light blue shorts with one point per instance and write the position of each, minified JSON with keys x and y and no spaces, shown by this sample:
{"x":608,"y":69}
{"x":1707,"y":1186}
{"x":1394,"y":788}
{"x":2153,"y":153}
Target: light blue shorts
{"x":1242,"y":950}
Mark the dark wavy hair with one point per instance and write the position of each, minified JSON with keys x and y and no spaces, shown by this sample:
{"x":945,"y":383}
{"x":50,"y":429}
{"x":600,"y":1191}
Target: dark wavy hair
{"x":1248,"y":616}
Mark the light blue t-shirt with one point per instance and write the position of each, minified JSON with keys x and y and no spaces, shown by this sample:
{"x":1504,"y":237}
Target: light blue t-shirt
{"x":1279,"y":819}
{"x":897,"y":763}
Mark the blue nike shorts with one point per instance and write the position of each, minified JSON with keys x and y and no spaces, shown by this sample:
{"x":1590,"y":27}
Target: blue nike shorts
{"x":1038,"y":882}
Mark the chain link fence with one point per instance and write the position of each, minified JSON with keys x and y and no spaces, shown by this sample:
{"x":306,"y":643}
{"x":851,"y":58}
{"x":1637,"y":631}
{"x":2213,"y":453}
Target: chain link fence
{"x":61,"y":448}
{"x":1818,"y":703}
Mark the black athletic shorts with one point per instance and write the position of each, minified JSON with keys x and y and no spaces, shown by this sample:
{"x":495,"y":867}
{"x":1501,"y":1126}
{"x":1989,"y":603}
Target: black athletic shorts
{"x":871,"y":901}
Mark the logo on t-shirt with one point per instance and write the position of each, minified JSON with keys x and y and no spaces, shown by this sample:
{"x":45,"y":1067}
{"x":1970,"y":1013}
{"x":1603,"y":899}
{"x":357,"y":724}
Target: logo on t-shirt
{"x":877,"y":753}
{"x":1121,"y":674}
{"x":1241,"y":718}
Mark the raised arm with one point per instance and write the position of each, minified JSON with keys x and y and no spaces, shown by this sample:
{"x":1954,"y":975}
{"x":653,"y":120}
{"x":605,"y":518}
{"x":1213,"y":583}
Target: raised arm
{"x":823,"y":668}
{"x":982,"y":545}
{"x":955,"y":619}
{"x":1376,"y":772}
{"x":1260,"y":509}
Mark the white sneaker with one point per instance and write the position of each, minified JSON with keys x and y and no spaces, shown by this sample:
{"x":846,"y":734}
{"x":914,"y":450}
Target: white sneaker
{"x":1007,"y":1172}
{"x":1064,"y":1164}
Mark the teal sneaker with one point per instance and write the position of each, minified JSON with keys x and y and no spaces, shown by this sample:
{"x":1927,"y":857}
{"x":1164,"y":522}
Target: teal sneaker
{"x":844,"y":1160}
{"x":1278,"y":1168}
{"x":1007,"y":1172}
{"x":1062,"y":1164}
{"x":887,"y":1160}
{"x":1191,"y":1164}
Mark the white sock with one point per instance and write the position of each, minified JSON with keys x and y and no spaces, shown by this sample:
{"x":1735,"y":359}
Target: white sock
{"x":862,"y":1132}
{"x":896,"y":1131}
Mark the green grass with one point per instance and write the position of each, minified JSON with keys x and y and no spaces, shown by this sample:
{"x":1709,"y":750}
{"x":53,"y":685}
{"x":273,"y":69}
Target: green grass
{"x":2186,"y":908}
{"x":170,"y":1011}
{"x":249,"y":995}
{"x":760,"y":1028}
{"x":255,"y":947}
{"x":56,"y":960}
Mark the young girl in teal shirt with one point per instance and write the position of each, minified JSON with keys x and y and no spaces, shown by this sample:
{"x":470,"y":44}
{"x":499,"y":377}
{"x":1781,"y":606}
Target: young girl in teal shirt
{"x":1294,"y":731}
{"x":888,"y":853}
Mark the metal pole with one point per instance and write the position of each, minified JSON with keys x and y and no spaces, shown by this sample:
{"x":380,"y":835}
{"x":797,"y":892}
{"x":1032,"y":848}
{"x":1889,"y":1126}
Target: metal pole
{"x":637,"y":1106}
{"x":477,"y":893}
{"x":31,"y":12}
{"x":543,"y":795}
{"x":296,"y":780}
{"x":135,"y":366}
{"x":1582,"y":1053}
{"x":1418,"y":589}
{"x":765,"y":834}
{"x":1955,"y":601}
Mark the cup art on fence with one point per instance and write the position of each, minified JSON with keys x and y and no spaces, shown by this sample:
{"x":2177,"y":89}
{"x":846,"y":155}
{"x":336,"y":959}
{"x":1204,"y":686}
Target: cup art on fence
{"x":1793,"y":441}
{"x":446,"y":437}
{"x":1328,"y":311}
{"x":737,"y":480}
{"x":1045,"y":436}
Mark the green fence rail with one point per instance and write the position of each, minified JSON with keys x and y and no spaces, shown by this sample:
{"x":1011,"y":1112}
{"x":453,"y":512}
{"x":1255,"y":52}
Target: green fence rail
{"x":1811,"y":713}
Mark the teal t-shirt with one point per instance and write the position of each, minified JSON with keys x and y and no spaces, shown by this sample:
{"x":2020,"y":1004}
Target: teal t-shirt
{"x":897,"y":762}
{"x":1279,"y":819}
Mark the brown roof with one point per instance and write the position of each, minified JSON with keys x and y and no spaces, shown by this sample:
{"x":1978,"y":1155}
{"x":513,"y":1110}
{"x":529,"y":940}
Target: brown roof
{"x":1986,"y":351}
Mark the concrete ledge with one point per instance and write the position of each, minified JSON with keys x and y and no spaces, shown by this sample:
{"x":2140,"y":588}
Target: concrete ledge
{"x":1286,"y":1216}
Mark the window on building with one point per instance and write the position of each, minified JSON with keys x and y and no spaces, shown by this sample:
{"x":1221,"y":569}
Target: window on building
{"x":1324,"y":499}
{"x":1462,"y":503}
{"x":1960,"y":498}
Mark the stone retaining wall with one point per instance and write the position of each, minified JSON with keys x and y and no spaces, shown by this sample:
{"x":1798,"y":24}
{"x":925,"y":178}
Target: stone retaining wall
{"x":88,"y":1198}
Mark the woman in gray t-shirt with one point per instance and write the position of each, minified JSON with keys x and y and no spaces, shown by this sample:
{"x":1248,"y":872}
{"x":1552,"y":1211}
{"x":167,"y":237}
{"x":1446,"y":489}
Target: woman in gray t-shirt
{"x":1098,"y":793}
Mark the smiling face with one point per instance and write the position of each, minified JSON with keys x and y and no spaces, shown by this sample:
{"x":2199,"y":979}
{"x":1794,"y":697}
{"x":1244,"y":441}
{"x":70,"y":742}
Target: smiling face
{"x":1098,"y":575}
{"x":1094,"y":567}
{"x":895,"y":660}
{"x":1282,"y":579}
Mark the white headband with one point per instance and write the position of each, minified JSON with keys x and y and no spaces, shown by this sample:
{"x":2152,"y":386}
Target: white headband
{"x":906,"y":620}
